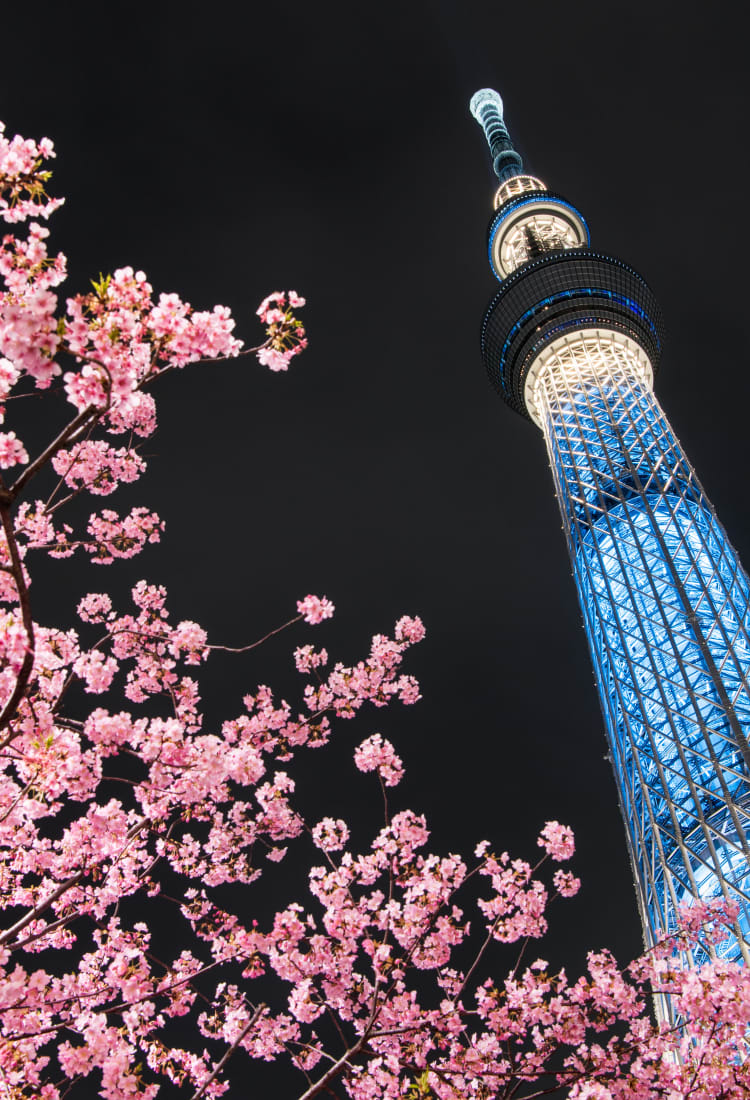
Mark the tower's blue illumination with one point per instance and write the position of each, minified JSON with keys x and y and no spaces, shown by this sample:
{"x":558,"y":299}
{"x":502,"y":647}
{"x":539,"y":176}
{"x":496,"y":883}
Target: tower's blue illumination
{"x":666,"y":607}
{"x":571,"y":340}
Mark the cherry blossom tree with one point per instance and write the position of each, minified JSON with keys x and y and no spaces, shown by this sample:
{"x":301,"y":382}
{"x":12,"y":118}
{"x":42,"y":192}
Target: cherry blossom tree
{"x":396,"y":972}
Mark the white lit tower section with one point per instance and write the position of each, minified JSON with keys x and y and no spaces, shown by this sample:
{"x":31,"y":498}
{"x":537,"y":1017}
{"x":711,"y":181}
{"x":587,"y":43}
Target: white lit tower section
{"x":571,"y":340}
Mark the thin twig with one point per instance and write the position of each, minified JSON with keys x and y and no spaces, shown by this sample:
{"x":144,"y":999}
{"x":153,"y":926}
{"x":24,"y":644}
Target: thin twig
{"x":47,"y":509}
{"x":220,"y":1065}
{"x":21,"y":794}
{"x":245,"y":648}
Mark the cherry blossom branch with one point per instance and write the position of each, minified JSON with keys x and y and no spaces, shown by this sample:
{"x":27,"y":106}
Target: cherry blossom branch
{"x":56,"y":894}
{"x":144,"y":874}
{"x":163,"y":635}
{"x":91,"y":412}
{"x":27,"y":664}
{"x":336,"y":1069}
{"x":140,"y":339}
{"x":245,"y":648}
{"x":40,"y":908}
{"x":48,"y":928}
{"x":696,"y":1076}
{"x":340,"y":1065}
{"x":489,"y":936}
{"x":387,"y":819}
{"x":337,"y":1026}
{"x":73,"y":1081}
{"x":18,"y":396}
{"x":22,"y":1036}
{"x":163,"y":991}
{"x":478,"y":958}
{"x":517,"y":1079}
{"x":153,"y":375}
{"x":409,"y":954}
{"x":228,"y":1054}
{"x":21,"y":794}
{"x":48,"y":510}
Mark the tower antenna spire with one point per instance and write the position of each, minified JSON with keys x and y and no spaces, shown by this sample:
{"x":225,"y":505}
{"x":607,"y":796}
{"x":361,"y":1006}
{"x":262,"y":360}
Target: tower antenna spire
{"x":487,"y":108}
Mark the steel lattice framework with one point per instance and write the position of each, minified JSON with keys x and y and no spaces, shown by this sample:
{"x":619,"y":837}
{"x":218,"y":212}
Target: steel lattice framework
{"x":666,"y":607}
{"x":571,"y":340}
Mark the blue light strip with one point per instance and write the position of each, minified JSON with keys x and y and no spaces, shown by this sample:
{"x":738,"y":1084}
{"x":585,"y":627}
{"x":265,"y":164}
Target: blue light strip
{"x":592,"y":292}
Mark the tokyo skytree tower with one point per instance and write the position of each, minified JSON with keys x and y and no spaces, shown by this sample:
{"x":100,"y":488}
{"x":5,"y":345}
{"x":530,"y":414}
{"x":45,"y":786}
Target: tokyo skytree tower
{"x":571,"y":341}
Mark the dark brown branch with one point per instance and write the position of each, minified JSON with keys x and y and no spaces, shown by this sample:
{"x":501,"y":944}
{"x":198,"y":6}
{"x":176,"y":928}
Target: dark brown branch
{"x":340,"y":1065}
{"x":65,"y":436}
{"x":27,"y":664}
{"x":48,"y":928}
{"x":41,"y":907}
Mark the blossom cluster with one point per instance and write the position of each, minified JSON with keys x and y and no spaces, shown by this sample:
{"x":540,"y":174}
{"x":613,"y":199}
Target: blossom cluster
{"x":375,"y":680}
{"x":110,"y":344}
{"x":314,"y":609}
{"x":22,"y":180}
{"x":210,"y":807}
{"x":377,"y":754}
{"x":284,"y":331}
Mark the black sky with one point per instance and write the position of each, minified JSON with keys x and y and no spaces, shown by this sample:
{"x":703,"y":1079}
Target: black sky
{"x":328,"y":147}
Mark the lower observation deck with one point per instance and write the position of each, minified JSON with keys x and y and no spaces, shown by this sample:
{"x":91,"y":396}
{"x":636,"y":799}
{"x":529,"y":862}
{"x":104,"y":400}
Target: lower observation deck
{"x":558,"y":293}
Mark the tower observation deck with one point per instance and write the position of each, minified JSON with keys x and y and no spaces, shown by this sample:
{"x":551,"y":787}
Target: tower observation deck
{"x":571,"y":340}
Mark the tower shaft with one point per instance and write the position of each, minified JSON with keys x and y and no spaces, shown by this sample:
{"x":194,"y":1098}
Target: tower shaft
{"x":666,"y":609}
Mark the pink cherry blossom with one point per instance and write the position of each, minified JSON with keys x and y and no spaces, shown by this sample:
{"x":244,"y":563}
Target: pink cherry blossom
{"x":273,"y":359}
{"x":567,"y":885}
{"x":12,"y":450}
{"x":330,"y":835}
{"x":284,"y":331}
{"x":306,"y":658}
{"x":98,"y":467}
{"x":557,"y":840}
{"x":315,"y":608}
{"x":269,"y":303}
{"x":376,"y":753}
{"x":409,"y":629}
{"x":95,"y":607}
{"x":95,"y":670}
{"x":190,"y":639}
{"x":112,"y":537}
{"x":22,"y":192}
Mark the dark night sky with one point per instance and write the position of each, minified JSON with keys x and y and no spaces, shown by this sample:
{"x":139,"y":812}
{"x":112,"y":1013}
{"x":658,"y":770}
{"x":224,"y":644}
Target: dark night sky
{"x":328,"y":147}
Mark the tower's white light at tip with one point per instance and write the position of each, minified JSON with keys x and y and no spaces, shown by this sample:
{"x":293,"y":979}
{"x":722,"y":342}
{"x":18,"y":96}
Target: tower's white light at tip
{"x":483,"y":98}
